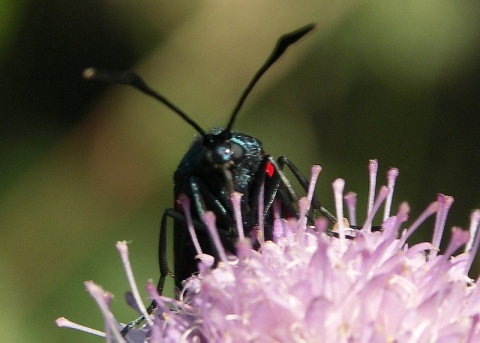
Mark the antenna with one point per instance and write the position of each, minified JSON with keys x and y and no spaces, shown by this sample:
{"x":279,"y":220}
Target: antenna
{"x":283,"y":43}
{"x":132,"y":79}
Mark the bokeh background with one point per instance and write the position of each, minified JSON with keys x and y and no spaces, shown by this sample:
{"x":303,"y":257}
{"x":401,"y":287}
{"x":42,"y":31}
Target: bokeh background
{"x":84,"y":164}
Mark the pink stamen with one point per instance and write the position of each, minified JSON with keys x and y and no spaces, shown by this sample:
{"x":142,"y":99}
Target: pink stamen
{"x":123,"y":250}
{"x":459,"y":238}
{"x":474,"y":220}
{"x":261,"y":208}
{"x":278,"y":231}
{"x":209,"y":220}
{"x":392,"y":175}
{"x":236,"y":199}
{"x":321,"y":224}
{"x":338,"y":187}
{"x":185,"y":202}
{"x":372,"y":177}
{"x":102,"y":299}
{"x":153,"y":293}
{"x":401,"y":217}
{"x":431,"y":209}
{"x":276,"y":210}
{"x":351,"y":201}
{"x":63,"y":322}
{"x":382,"y":194}
{"x":473,"y":328}
{"x":315,"y":171}
{"x":444,"y":204}
{"x":472,"y":248}
{"x":303,"y":205}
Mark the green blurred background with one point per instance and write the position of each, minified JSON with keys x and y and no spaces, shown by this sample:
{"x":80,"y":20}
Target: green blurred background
{"x":83,"y":164}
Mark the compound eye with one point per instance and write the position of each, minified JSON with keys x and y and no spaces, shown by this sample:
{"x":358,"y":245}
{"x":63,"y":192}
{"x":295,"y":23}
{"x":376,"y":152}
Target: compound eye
{"x":237,"y":151}
{"x":223,"y":154}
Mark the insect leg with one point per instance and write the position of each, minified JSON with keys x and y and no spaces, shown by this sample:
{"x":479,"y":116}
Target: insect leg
{"x":162,"y":247}
{"x":287,"y":187}
{"x":205,"y":200}
{"x":290,"y":199}
{"x":282,"y":161}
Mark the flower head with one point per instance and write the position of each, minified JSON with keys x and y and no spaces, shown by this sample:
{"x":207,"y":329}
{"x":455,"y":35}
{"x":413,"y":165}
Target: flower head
{"x":313,"y":284}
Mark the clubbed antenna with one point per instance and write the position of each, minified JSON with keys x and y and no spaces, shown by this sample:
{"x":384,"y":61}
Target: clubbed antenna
{"x":282,"y":45}
{"x":132,"y":79}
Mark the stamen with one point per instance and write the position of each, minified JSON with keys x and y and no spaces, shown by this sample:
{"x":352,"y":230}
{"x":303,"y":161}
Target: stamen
{"x":316,"y":169}
{"x":338,"y":187}
{"x":236,"y":199}
{"x":372,"y":177}
{"x":382,"y":194}
{"x":392,"y":175}
{"x":276,"y":210}
{"x":351,"y":201}
{"x":444,"y":203}
{"x":209,"y":220}
{"x":278,"y":231}
{"x":303,"y":205}
{"x":102,"y":299}
{"x":401,"y":217}
{"x":474,"y":220}
{"x":123,"y":250}
{"x":321,"y":224}
{"x":261,"y":208}
{"x":431,"y":209}
{"x":472,"y":248}
{"x":63,"y":322}
{"x":185,"y":202}
{"x":473,"y":328}
{"x":459,"y":238}
{"x":153,"y":293}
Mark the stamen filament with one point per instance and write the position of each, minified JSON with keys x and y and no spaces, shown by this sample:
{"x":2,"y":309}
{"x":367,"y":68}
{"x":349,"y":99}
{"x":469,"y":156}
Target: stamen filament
{"x":209,"y":220}
{"x":102,"y":299}
{"x":351,"y":201}
{"x":261,"y":208}
{"x":63,"y":322}
{"x":236,"y":199}
{"x":392,"y":175}
{"x":445,"y":202}
{"x":338,"y":187}
{"x":472,"y":251}
{"x":185,"y":202}
{"x":123,"y":250}
{"x":315,"y":171}
{"x":372,"y":177}
{"x":431,"y":209}
{"x":382,"y":194}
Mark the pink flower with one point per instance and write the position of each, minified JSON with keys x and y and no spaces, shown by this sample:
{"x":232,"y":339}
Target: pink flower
{"x":316,"y":285}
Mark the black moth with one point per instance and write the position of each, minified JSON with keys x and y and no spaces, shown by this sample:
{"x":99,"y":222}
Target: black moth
{"x":217,"y":164}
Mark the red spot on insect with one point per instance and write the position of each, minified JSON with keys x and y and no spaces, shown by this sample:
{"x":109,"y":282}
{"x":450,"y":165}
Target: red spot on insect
{"x":269,"y":169}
